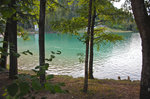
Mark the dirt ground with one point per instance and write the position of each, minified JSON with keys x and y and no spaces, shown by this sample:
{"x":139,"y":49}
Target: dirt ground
{"x":98,"y":89}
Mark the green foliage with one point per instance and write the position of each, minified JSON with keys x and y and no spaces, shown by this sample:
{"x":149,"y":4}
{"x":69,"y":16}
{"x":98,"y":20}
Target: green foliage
{"x":81,"y":57}
{"x":2,"y":50}
{"x":54,"y":88}
{"x":23,"y":85}
{"x":26,"y":84}
{"x":70,"y":26}
{"x":27,"y":13}
{"x":50,"y":87}
{"x":102,"y":36}
{"x":6,"y":11}
{"x":58,"y":52}
{"x":12,"y":89}
{"x":125,"y":24}
{"x":27,"y":52}
{"x":36,"y":85}
{"x":39,"y":70}
{"x":64,"y":10}
{"x":15,"y":54}
{"x":22,"y":33}
{"x":24,"y":88}
{"x":53,"y":55}
{"x":48,"y":77}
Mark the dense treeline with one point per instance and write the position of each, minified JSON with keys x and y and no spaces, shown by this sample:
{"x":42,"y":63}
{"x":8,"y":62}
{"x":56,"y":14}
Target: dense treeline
{"x":73,"y":9}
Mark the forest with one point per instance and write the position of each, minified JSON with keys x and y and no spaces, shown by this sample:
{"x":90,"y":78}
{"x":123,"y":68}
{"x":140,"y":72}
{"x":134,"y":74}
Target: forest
{"x":74,"y":49}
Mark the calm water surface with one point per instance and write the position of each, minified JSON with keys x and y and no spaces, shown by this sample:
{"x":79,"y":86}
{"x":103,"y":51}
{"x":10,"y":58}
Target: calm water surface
{"x":120,"y":59}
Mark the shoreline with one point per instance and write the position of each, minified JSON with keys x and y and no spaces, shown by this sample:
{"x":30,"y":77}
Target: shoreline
{"x":111,"y":30}
{"x":20,"y":71}
{"x":98,"y":89}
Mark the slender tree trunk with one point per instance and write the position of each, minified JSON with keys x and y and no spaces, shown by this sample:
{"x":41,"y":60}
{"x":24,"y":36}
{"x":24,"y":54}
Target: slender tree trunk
{"x":91,"y":45}
{"x":3,"y":62}
{"x":143,"y":23}
{"x":12,"y":32}
{"x":42,"y":38}
{"x":85,"y":88}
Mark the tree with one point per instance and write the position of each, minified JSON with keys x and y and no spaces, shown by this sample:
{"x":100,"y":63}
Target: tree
{"x":143,"y":23}
{"x":85,"y":88}
{"x":77,"y":23}
{"x":3,"y":61}
{"x":104,"y":8}
{"x":12,"y":32}
{"x":91,"y":44}
{"x":5,"y":12}
{"x":13,"y":11}
{"x":42,"y":39}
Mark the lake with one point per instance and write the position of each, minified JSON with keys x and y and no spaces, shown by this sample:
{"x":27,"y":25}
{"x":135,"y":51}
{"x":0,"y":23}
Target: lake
{"x":124,"y":58}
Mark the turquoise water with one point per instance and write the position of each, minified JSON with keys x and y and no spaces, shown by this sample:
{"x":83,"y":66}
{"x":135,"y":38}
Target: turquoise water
{"x":120,"y":59}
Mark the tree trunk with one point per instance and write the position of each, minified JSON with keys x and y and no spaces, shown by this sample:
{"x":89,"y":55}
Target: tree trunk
{"x":12,"y":32}
{"x":42,"y":39}
{"x":91,"y":45}
{"x":143,"y":23}
{"x":3,"y":62}
{"x":85,"y":88}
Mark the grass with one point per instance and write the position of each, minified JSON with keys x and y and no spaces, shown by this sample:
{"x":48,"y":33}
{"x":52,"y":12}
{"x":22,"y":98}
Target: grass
{"x":97,"y":88}
{"x":100,"y":89}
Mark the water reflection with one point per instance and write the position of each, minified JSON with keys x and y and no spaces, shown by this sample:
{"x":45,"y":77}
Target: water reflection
{"x":120,"y":59}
